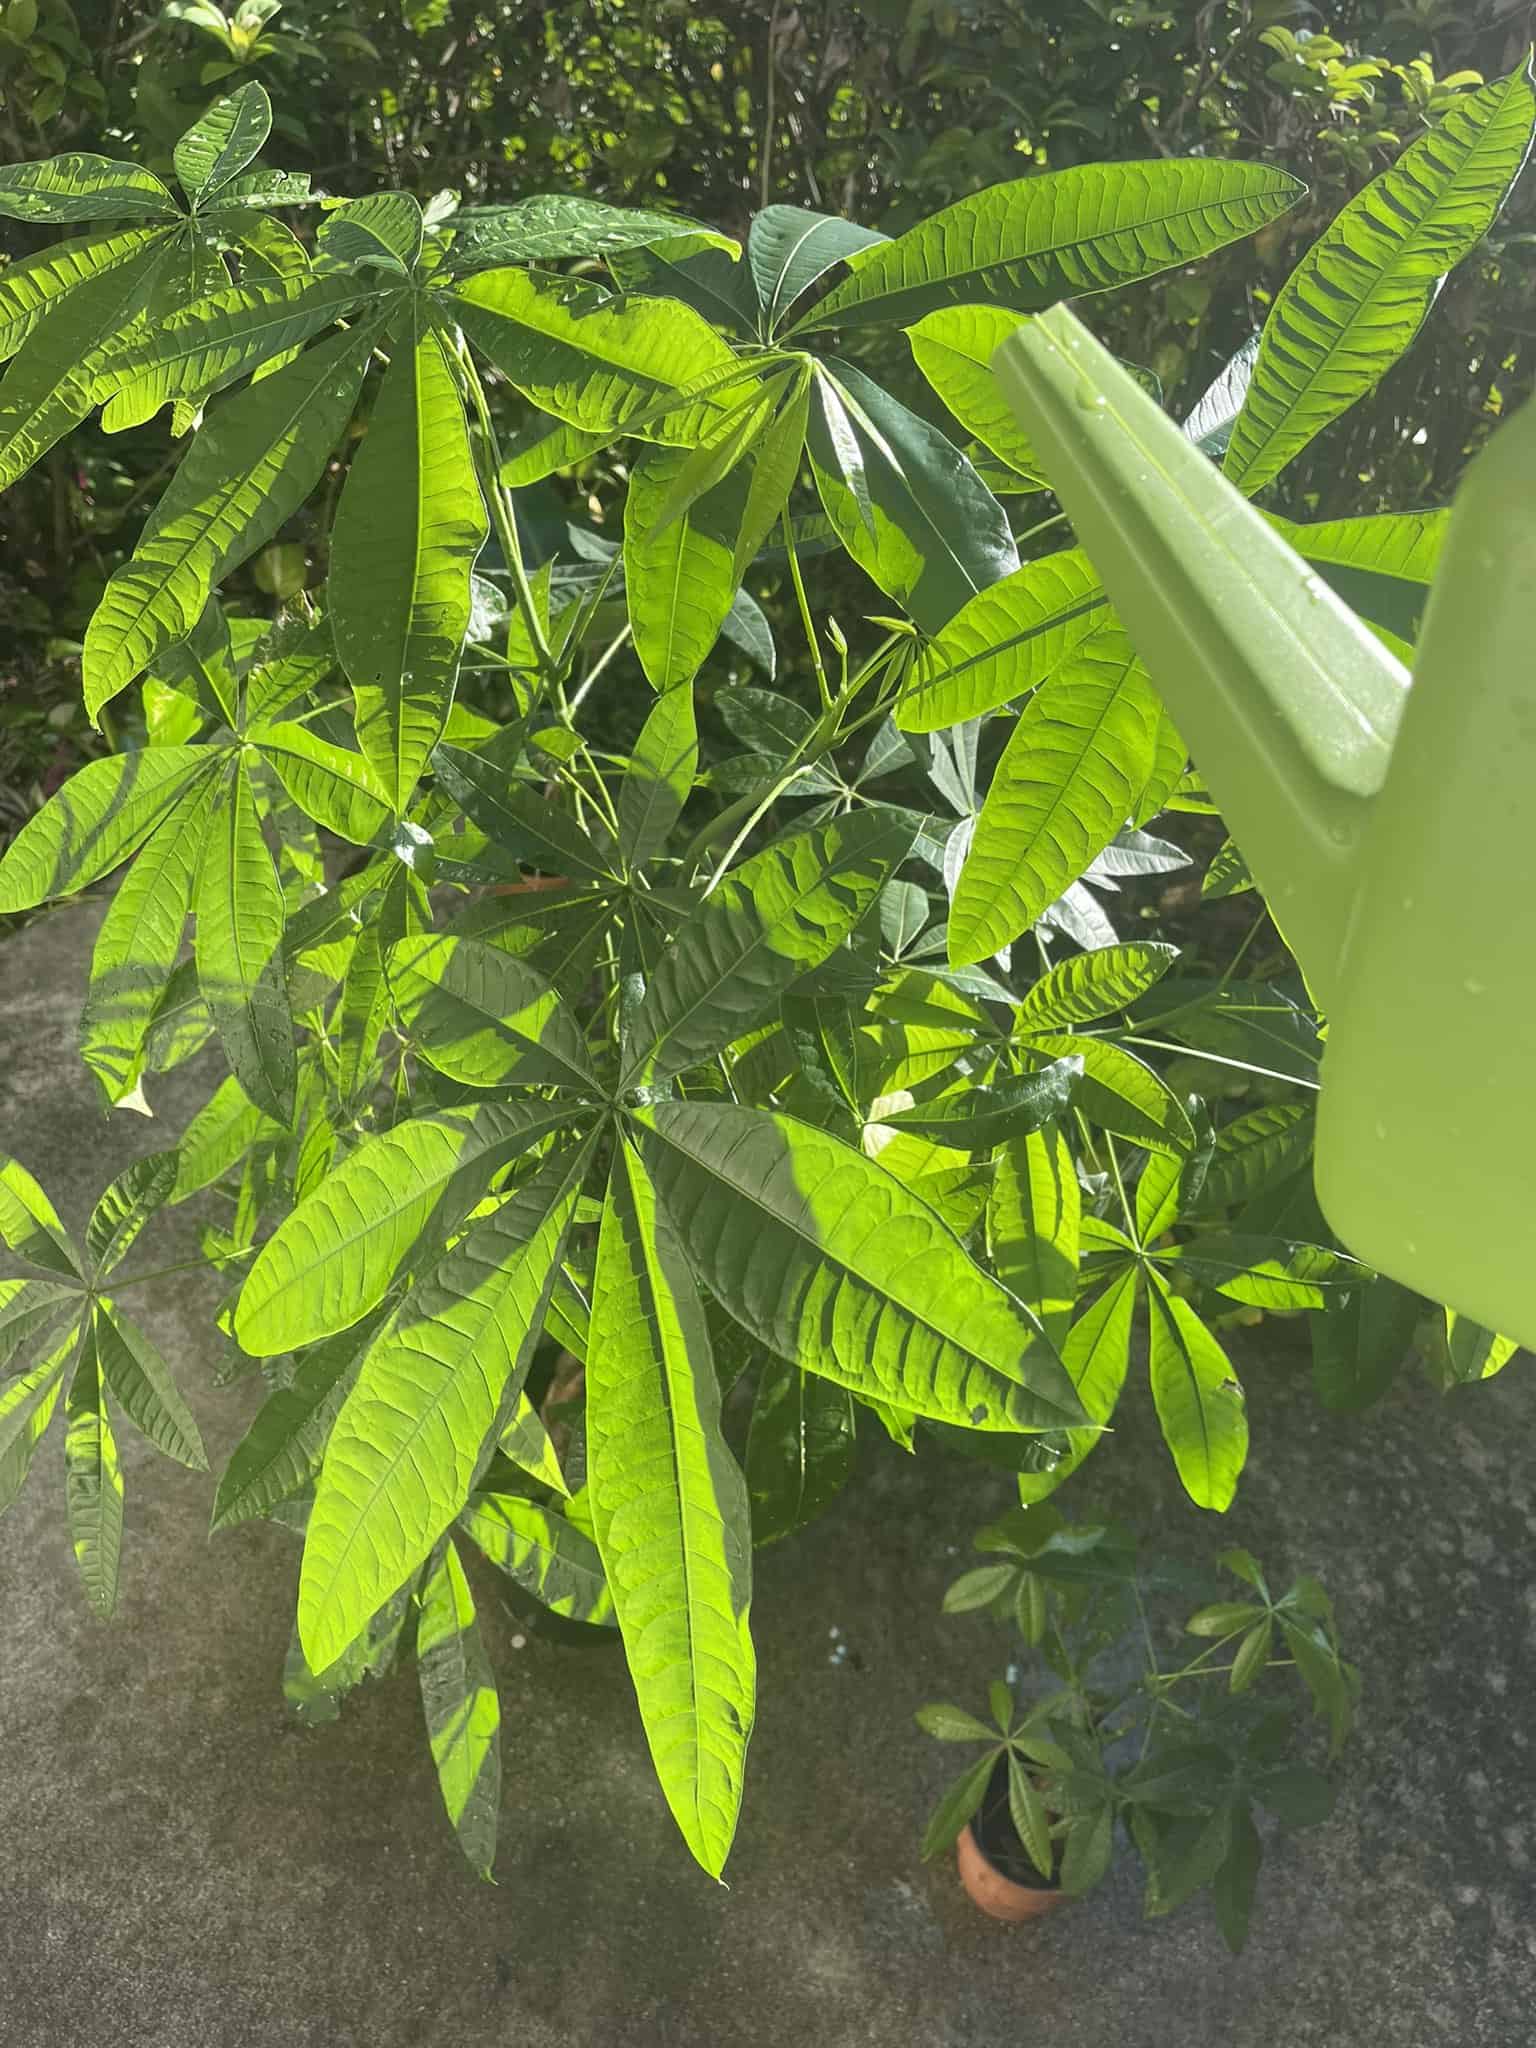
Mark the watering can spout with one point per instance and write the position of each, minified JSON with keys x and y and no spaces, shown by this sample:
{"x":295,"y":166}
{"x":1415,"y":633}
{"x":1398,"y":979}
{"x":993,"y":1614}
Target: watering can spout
{"x":1287,"y":701}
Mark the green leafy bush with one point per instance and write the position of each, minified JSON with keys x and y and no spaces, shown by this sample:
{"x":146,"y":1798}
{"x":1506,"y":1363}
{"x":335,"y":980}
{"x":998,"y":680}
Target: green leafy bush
{"x":817,"y":1068}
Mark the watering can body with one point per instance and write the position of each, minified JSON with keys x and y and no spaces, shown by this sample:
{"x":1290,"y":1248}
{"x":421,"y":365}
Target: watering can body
{"x":1390,"y":827}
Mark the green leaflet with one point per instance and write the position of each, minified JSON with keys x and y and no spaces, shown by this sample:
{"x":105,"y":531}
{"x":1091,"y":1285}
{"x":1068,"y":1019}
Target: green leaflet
{"x":831,"y":1263}
{"x":198,"y":349}
{"x":28,"y":1306}
{"x":1006,"y":640}
{"x":1097,"y":1356}
{"x":1090,"y":985}
{"x":1199,"y":1402}
{"x":102,"y":813}
{"x":659,"y":777}
{"x":546,"y":446}
{"x":1358,"y":1347}
{"x":141,"y":1383}
{"x":125,"y":1207}
{"x":559,"y":224}
{"x":780,"y":914}
{"x":670,"y":1513}
{"x":954,"y":347}
{"x":485,"y":1017}
{"x":249,"y":468}
{"x":1033,"y":1208}
{"x":239,"y":950}
{"x":409,"y":526}
{"x":1079,"y":756}
{"x":423,"y":1413}
{"x":1380,"y":565}
{"x":463,"y":1713}
{"x":1121,"y":1092}
{"x":93,"y":1482}
{"x":596,"y":362}
{"x":906,"y":504}
{"x":29,"y":1223}
{"x":48,"y":389}
{"x":974,"y":1118}
{"x":219,"y":145}
{"x":518,"y":822}
{"x":1360,"y":294}
{"x":330,"y":784}
{"x":83,"y":187}
{"x":282,"y":1449}
{"x":1031,"y":242}
{"x":333,"y":1259}
{"x":29,"y":287}
{"x":800,"y":1448}
{"x":788,"y":249}
{"x":381,"y":231}
{"x":679,"y":578}
{"x":26,"y":1409}
{"x":547,"y":1555}
{"x":139,"y":943}
{"x":218,"y":1137}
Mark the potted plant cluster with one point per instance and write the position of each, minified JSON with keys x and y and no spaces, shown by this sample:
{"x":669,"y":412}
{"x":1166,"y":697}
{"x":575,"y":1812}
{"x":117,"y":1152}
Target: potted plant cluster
{"x":1184,"y":1751}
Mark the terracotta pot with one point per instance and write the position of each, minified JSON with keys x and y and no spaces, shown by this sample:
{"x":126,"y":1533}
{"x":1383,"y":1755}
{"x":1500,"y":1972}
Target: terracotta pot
{"x":989,"y":1840}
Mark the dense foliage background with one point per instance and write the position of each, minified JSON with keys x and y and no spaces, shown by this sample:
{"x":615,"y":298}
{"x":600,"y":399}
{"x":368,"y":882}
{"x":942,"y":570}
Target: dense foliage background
{"x":881,"y":109}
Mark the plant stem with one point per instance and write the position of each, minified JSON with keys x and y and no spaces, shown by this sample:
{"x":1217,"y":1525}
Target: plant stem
{"x":1218,"y":1059}
{"x":805,"y":611}
{"x":503,"y":515}
{"x":186,"y":1266}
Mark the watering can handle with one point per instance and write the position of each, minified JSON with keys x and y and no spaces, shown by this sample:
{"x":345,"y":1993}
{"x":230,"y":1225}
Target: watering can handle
{"x":1287,"y":701}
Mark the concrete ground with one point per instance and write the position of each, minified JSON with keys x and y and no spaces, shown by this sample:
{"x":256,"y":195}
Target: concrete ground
{"x":183,"y":1866}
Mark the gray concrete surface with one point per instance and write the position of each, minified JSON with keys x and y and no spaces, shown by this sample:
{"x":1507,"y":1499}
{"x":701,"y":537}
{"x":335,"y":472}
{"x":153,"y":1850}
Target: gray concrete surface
{"x":183,"y":1866}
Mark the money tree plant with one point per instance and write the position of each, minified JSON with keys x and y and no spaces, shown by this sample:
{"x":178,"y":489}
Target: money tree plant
{"x":620,"y":1027}
{"x":1181,"y":1747}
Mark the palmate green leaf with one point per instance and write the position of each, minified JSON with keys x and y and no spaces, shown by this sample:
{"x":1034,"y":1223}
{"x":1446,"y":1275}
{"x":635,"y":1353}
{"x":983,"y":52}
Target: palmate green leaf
{"x":239,"y":950}
{"x":93,"y":1482}
{"x":1199,"y":1402}
{"x":26,"y":1409}
{"x":139,"y":942}
{"x":424,"y":1411}
{"x":28,"y":1307}
{"x":788,"y":249}
{"x":1033,"y":1209}
{"x":775,"y":918}
{"x":660,"y":776}
{"x":48,"y":388}
{"x":249,"y":468}
{"x":409,"y":526}
{"x":125,"y":1207}
{"x":1360,"y":294}
{"x":333,"y":1259}
{"x":1087,"y":986}
{"x":906,"y":503}
{"x":458,"y":1697}
{"x":283,"y":1448}
{"x":142,"y":1385}
{"x":218,"y":1138}
{"x":800,"y":1448}
{"x":198,"y":349}
{"x":83,"y":187}
{"x":102,"y":813}
{"x":29,"y":1223}
{"x":1004,"y":641}
{"x":831,"y":1263}
{"x":219,"y":145}
{"x":479,"y":1014}
{"x":30,"y":286}
{"x":1096,"y":1353}
{"x":552,"y":225}
{"x":670,"y":1512}
{"x":519,"y":823}
{"x":544,"y":1553}
{"x":1035,"y":240}
{"x":331,"y":784}
{"x":1075,"y":764}
{"x":598,"y":363}
{"x":974,"y":1118}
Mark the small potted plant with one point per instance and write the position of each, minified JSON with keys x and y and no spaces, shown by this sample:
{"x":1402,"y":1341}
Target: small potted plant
{"x":1182,"y":1750}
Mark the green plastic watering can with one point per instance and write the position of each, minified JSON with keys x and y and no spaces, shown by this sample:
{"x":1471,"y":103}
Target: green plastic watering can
{"x":1392,"y":829}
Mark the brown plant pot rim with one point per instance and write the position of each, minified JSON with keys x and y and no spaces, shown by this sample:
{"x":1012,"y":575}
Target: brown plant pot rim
{"x":996,"y":1895}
